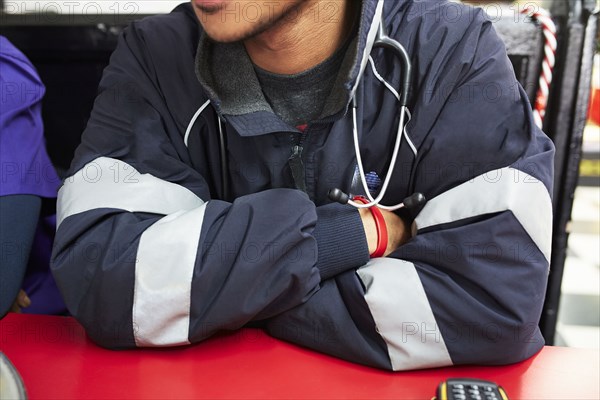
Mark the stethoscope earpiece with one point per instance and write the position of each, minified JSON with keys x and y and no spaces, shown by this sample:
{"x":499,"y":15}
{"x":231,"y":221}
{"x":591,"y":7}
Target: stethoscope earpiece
{"x":412,"y":202}
{"x":338,"y":196}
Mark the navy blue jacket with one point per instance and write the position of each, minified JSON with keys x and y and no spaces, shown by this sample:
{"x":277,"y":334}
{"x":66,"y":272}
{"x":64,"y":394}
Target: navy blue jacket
{"x":153,"y":250}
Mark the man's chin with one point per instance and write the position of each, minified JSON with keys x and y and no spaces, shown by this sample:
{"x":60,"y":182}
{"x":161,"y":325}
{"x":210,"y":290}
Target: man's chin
{"x":224,"y":36}
{"x":225,"y":32}
{"x":231,"y":33}
{"x":228,"y":28}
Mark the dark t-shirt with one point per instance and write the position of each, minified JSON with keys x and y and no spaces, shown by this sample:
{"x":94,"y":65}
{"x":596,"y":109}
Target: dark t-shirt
{"x":298,"y":99}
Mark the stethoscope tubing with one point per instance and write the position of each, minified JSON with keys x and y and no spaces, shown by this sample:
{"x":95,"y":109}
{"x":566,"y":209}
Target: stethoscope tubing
{"x":376,"y":201}
{"x":382,"y":40}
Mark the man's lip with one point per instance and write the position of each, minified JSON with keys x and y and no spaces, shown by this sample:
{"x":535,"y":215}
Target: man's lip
{"x":209,"y":5}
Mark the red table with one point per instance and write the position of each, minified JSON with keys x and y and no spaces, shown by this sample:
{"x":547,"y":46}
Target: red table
{"x":56,"y":360}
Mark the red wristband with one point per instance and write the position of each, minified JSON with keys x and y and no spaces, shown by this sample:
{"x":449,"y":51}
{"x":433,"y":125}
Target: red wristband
{"x":382,"y":234}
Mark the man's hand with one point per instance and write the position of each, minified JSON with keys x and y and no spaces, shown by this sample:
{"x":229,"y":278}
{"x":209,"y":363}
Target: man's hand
{"x":22,"y":301}
{"x":398,"y":231}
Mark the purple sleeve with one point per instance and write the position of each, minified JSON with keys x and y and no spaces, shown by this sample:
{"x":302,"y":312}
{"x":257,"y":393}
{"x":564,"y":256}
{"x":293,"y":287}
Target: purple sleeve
{"x":25,"y":165}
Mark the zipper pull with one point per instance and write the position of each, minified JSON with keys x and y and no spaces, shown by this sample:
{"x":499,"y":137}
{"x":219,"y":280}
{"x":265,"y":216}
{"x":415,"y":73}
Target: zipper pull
{"x":297,"y":167}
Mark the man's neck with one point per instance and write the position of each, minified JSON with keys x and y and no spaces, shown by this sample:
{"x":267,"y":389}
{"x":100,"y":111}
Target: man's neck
{"x":305,"y":38}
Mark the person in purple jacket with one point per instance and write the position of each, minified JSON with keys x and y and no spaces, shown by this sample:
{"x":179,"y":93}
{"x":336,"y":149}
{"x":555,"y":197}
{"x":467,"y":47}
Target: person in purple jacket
{"x":28,"y":189}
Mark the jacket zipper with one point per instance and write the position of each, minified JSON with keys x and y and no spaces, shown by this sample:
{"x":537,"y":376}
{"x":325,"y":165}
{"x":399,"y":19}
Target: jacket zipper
{"x":295,"y":161}
{"x":297,"y":165}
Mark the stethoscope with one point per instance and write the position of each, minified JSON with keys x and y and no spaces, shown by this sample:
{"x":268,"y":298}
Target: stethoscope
{"x":417,"y":199}
{"x":413,"y":201}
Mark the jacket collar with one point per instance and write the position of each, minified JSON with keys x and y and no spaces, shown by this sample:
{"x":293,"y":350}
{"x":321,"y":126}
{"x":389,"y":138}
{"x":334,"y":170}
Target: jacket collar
{"x":235,"y":91}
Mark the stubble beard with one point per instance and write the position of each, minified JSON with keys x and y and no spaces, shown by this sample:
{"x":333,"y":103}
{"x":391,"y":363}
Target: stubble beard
{"x":256,"y":30}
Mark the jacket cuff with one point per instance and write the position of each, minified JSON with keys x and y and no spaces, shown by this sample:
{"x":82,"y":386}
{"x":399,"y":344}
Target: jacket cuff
{"x":341,"y":240}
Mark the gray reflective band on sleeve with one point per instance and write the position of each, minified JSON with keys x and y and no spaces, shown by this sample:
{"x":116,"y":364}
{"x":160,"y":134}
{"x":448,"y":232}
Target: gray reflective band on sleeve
{"x":163,"y":279}
{"x":110,"y":183}
{"x":402,"y":314}
{"x":505,"y":189}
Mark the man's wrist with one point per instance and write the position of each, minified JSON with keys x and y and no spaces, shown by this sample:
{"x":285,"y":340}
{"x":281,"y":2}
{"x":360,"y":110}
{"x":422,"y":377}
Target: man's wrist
{"x":381,"y":232}
{"x":369,"y":227}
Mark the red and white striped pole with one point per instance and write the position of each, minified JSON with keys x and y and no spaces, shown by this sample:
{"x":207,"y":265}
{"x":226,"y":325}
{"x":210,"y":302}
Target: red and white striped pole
{"x":549,"y":30}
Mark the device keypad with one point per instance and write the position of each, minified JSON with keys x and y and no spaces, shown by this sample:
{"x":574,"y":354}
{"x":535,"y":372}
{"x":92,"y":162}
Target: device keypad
{"x":471,"y":389}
